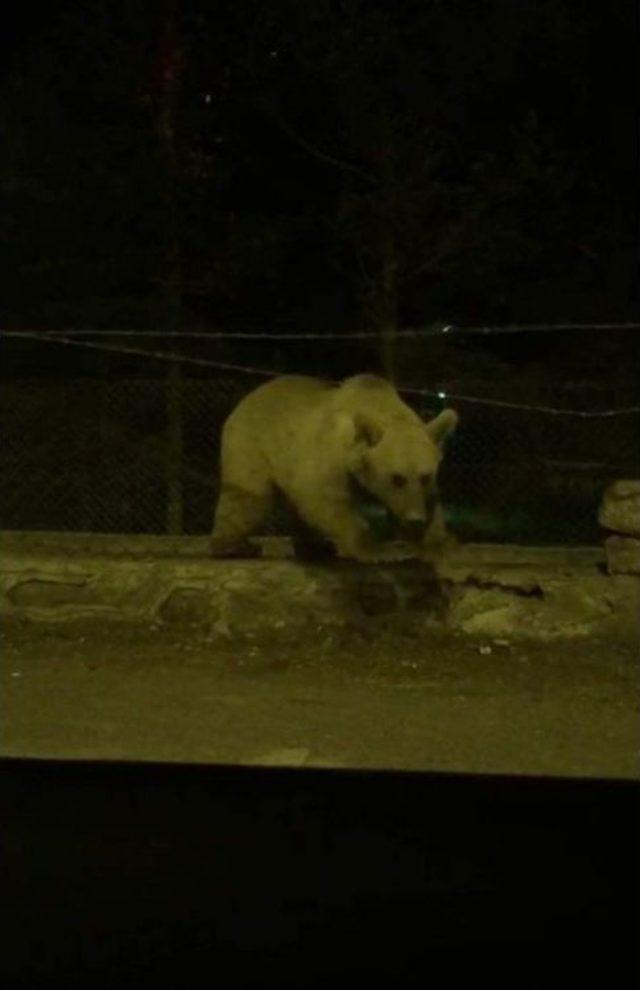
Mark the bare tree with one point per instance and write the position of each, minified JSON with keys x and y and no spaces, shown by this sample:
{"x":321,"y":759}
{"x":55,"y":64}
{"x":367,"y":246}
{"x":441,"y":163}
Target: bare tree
{"x":170,"y":66}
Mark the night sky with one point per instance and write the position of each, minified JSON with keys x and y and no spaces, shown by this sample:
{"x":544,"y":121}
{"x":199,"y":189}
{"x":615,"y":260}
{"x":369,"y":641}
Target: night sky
{"x":330,"y":166}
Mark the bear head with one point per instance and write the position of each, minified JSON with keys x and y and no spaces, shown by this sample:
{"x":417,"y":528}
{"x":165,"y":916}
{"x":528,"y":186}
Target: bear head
{"x":397,"y":464}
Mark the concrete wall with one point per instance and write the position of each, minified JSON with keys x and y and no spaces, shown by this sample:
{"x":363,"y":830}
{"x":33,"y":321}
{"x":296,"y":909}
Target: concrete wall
{"x":486,"y":591}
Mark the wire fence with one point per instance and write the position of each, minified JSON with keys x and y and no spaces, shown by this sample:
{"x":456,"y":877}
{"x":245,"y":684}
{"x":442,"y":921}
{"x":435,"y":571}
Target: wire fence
{"x":130,"y":449}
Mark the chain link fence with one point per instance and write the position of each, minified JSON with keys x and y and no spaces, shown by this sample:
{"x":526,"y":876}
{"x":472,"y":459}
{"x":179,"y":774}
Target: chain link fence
{"x":99,"y":452}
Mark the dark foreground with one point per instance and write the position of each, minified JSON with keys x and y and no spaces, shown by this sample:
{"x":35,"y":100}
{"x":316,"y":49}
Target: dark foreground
{"x":124,"y":875}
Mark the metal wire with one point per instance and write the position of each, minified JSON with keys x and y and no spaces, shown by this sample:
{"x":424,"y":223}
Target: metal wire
{"x":434,"y":393}
{"x":269,"y":336}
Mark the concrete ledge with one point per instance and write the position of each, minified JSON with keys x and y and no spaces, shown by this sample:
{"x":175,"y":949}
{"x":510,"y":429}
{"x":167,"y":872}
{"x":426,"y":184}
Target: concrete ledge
{"x":480,"y":590}
{"x":623,"y":555}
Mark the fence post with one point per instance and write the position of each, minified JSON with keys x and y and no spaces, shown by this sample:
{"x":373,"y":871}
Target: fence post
{"x":171,"y":59}
{"x":173,"y":462}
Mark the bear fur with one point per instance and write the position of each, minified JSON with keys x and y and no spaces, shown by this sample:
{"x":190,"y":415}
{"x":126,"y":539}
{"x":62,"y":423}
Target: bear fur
{"x":312,"y":442}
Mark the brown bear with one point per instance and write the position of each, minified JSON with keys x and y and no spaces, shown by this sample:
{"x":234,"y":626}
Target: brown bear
{"x":327,"y":449}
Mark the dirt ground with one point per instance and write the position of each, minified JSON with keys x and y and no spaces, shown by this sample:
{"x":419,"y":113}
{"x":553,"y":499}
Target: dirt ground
{"x":442,"y":703}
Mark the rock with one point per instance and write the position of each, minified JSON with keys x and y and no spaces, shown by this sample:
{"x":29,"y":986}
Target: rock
{"x":36,"y":593}
{"x":185,"y":607}
{"x":623,"y":555}
{"x":582,"y":601}
{"x":469,"y":601}
{"x":620,"y":508}
{"x":563,"y":612}
{"x":496,"y":620}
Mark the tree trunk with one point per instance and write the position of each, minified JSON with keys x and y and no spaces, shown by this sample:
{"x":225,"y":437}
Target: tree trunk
{"x":174,"y":452}
{"x":170,"y":81}
{"x":389,"y":312}
{"x":382,"y":305}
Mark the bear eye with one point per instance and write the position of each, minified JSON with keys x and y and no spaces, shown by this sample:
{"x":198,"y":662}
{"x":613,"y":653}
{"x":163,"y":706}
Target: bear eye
{"x":425,"y":478}
{"x":398,"y":480}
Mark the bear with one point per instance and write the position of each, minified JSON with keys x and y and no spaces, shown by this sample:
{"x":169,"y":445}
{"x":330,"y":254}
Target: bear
{"x":330,"y":450}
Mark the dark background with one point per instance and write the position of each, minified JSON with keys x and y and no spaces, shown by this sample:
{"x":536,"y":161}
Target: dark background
{"x":307,"y":166}
{"x":495,"y":143}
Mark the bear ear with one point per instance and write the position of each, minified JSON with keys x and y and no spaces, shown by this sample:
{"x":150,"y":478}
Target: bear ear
{"x":368,"y":431}
{"x":444,"y":424}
